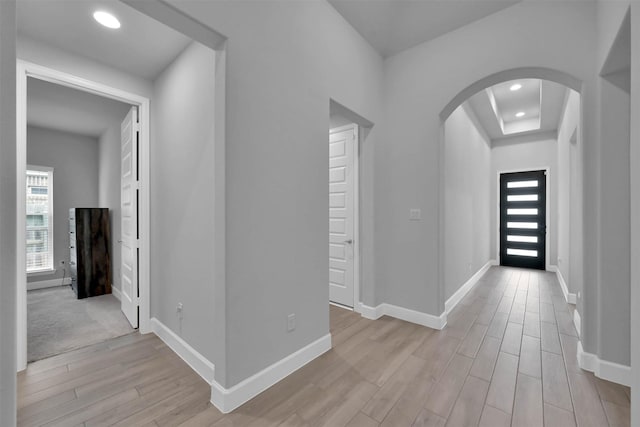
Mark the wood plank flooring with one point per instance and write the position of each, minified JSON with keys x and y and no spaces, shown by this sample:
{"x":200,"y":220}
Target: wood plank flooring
{"x":506,"y":357}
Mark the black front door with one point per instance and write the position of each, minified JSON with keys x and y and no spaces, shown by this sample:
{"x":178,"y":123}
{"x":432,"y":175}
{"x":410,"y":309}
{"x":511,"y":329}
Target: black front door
{"x":523,"y":225}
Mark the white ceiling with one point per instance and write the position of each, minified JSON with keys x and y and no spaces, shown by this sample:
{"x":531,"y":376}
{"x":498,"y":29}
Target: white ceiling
{"x":542,"y":102}
{"x":391,"y":26}
{"x":65,"y":109}
{"x":69,"y":25}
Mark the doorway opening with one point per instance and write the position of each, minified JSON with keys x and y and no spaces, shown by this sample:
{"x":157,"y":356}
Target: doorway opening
{"x":58,"y":315}
{"x":521,"y":120}
{"x":343,"y":223}
{"x":74,"y":220}
{"x":347,"y":135}
{"x":523,"y":219}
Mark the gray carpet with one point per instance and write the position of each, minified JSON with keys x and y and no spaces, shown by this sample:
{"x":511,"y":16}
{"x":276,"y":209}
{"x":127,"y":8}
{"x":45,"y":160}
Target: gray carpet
{"x":58,"y":322}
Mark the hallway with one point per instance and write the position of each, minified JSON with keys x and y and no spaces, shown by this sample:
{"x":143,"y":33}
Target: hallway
{"x":506,"y":357}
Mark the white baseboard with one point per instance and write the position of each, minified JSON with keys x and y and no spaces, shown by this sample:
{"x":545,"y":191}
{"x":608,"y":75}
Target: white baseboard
{"x":494,"y":262}
{"x":198,"y":362}
{"x":577,"y":322}
{"x":406,"y":314}
{"x":226,"y":400}
{"x":569,"y":297}
{"x":369,"y":312}
{"x":52,"y":283}
{"x":552,"y":268}
{"x":614,"y":372}
{"x":464,"y":289}
{"x":116,"y":293}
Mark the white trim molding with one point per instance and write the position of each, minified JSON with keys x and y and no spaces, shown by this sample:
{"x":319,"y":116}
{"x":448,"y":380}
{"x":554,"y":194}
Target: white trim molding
{"x":406,"y":314}
{"x":51,"y":283}
{"x":228,"y":399}
{"x":195,"y":360}
{"x":468,"y":285}
{"x":610,"y":371}
{"x":568,"y":296}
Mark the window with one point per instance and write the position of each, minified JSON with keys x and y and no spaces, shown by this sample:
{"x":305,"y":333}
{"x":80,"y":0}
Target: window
{"x":39,"y":219}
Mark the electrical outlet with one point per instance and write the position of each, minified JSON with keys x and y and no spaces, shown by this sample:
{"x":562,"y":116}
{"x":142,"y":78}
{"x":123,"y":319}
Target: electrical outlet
{"x":291,"y":322}
{"x":415,"y":214}
{"x":179,"y":310}
{"x":578,"y":294}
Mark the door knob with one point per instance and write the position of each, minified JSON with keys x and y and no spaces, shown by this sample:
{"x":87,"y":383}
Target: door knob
{"x":349,"y":242}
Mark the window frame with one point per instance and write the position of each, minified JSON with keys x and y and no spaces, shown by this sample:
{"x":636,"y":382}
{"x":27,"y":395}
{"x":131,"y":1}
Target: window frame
{"x":51,"y":266}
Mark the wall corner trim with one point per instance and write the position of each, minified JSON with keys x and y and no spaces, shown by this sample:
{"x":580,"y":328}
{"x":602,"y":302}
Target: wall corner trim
{"x":226,"y":400}
{"x":116,"y":293}
{"x":569,"y":297}
{"x":610,"y":371}
{"x":195,"y":360}
{"x":451,"y":303}
{"x":52,"y":283}
{"x":406,"y":314}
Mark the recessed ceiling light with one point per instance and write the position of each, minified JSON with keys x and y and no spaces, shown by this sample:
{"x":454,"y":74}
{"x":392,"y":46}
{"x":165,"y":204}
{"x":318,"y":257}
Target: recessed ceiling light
{"x":520,"y":114}
{"x":106,"y":19}
{"x":515,"y":87}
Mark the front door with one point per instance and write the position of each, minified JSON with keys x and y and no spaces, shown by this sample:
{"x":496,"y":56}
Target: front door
{"x":129,"y":217}
{"x":523,"y":225}
{"x":341,"y":214}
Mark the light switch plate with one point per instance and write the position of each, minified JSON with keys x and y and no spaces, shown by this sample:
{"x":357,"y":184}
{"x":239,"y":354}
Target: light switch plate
{"x":415,"y":214}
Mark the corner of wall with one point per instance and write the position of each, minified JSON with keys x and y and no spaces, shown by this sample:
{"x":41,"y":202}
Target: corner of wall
{"x":614,"y":372}
{"x":193,"y":358}
{"x":228,"y":399}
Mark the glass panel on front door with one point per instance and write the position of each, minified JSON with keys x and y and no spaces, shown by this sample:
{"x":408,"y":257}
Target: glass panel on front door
{"x":523,"y":219}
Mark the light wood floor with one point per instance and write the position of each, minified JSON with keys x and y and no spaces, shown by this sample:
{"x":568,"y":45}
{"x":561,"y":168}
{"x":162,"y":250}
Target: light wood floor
{"x":507,"y":357}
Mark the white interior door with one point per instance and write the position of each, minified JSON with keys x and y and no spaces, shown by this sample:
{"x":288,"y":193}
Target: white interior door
{"x":129,"y":217}
{"x":341,"y":214}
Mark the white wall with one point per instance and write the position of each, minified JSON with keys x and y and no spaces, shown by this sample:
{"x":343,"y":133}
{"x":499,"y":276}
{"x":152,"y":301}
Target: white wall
{"x":635,"y":216}
{"x":109,"y":190}
{"x":606,"y":310}
{"x":285,"y":62}
{"x":182,"y":197}
{"x":614,"y":290}
{"x":8,"y":196}
{"x":467,"y":198}
{"x":526,"y":156}
{"x":74,"y":159}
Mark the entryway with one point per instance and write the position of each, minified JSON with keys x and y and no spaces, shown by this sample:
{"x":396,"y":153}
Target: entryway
{"x":523,"y":219}
{"x":61,"y":318}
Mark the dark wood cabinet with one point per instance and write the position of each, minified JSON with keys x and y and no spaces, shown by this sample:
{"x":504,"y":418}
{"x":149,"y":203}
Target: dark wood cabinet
{"x":89,"y":246}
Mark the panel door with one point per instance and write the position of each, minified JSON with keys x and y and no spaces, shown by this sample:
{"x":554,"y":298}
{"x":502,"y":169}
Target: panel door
{"x":129,"y":217}
{"x":523,"y":225}
{"x":341,"y":214}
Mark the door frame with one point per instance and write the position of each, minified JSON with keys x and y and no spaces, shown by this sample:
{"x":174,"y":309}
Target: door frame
{"x":27,"y":69}
{"x":357,"y":304}
{"x":547,"y":170}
